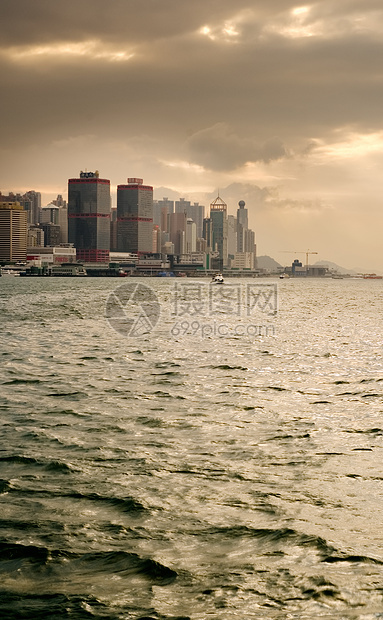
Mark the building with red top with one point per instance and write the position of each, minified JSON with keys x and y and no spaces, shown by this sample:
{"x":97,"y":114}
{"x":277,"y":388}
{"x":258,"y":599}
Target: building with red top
{"x":89,"y":217}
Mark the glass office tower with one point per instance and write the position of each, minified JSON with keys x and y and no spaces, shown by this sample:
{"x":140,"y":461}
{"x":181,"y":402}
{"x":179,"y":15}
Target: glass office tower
{"x":89,"y":217}
{"x":135,"y":217}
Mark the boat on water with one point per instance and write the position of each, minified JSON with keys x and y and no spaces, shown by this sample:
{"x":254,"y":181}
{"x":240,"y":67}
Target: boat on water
{"x":9,"y":272}
{"x":372,"y":276}
{"x":68,"y":269}
{"x":218,"y":278}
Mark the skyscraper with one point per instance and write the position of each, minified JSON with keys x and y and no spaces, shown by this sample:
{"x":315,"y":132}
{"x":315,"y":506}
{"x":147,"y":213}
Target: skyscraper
{"x":218,"y":216}
{"x":89,"y":216}
{"x":245,"y":236}
{"x":194,"y":211}
{"x":13,"y":232}
{"x":177,"y":231}
{"x":161,"y":210}
{"x":231,"y":235}
{"x":190,"y":236}
{"x":135,"y":217}
{"x":242,"y":226}
{"x":30,"y":201}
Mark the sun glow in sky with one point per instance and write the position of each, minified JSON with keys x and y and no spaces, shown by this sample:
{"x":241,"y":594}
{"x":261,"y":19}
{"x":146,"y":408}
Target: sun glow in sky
{"x":88,"y":49}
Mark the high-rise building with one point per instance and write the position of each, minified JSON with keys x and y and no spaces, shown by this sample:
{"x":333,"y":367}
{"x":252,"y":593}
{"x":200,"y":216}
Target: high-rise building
{"x":242,"y":215}
{"x":63,"y":217}
{"x":190,"y":237}
{"x":51,"y":234}
{"x":53,"y":214}
{"x":50,"y":214}
{"x":13,"y":232}
{"x":218,"y":216}
{"x":231,"y":235}
{"x":30,"y":201}
{"x":135,"y":217}
{"x":161,"y":209}
{"x":245,"y":236}
{"x":113,"y":230}
{"x":177,"y":231}
{"x":35,"y":206}
{"x":89,"y":216}
{"x":63,"y":223}
{"x":242,"y":226}
{"x":197,"y":213}
{"x":156,"y":237}
{"x":182,"y":205}
{"x":193,"y":211}
{"x":207,"y":233}
{"x":35,"y":238}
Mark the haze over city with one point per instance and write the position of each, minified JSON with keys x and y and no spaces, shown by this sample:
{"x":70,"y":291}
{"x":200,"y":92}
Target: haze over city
{"x":278,"y":104}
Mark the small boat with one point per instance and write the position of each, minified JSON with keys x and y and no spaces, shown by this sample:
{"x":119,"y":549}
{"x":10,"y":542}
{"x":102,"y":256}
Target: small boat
{"x":218,"y":278}
{"x":372,"y":276}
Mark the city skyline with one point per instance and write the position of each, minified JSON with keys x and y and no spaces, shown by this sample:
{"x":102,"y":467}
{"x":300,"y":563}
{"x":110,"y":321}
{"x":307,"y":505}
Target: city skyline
{"x":276,"y":104}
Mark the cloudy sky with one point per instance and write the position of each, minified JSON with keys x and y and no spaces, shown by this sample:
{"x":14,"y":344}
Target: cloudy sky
{"x":271,"y":101}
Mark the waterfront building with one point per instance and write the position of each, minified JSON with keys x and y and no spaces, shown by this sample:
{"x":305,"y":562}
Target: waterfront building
{"x":135,"y":217}
{"x":89,"y":217}
{"x":52,"y":255}
{"x":13,"y":232}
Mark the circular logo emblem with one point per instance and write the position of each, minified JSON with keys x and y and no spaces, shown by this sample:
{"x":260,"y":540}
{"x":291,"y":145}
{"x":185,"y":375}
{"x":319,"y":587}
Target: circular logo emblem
{"x":132,"y":309}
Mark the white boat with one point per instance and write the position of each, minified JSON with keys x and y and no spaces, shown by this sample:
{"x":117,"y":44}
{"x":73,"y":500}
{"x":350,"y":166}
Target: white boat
{"x":9,"y":272}
{"x":218,"y":278}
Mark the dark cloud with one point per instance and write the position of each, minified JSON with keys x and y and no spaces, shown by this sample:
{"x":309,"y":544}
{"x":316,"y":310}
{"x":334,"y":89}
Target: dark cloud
{"x":220,"y":148}
{"x":163,"y":88}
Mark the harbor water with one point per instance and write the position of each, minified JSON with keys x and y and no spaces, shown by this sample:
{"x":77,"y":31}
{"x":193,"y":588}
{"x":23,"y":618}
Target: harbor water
{"x":169,"y":451}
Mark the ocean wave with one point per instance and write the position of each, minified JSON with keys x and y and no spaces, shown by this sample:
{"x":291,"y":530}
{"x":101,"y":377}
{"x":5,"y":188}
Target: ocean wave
{"x":16,"y":556}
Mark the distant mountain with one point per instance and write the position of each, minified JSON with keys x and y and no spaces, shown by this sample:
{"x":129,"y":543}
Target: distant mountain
{"x":334,"y":267}
{"x":161,"y":192}
{"x":268,"y":263}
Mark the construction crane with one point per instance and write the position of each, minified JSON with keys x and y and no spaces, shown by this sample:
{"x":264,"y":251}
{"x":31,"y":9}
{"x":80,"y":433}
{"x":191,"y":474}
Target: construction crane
{"x":308,"y":252}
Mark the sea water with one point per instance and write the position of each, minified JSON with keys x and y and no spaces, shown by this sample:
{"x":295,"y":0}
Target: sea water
{"x":158,"y":465}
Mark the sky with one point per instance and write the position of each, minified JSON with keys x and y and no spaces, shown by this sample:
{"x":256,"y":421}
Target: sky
{"x":272,"y":102}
